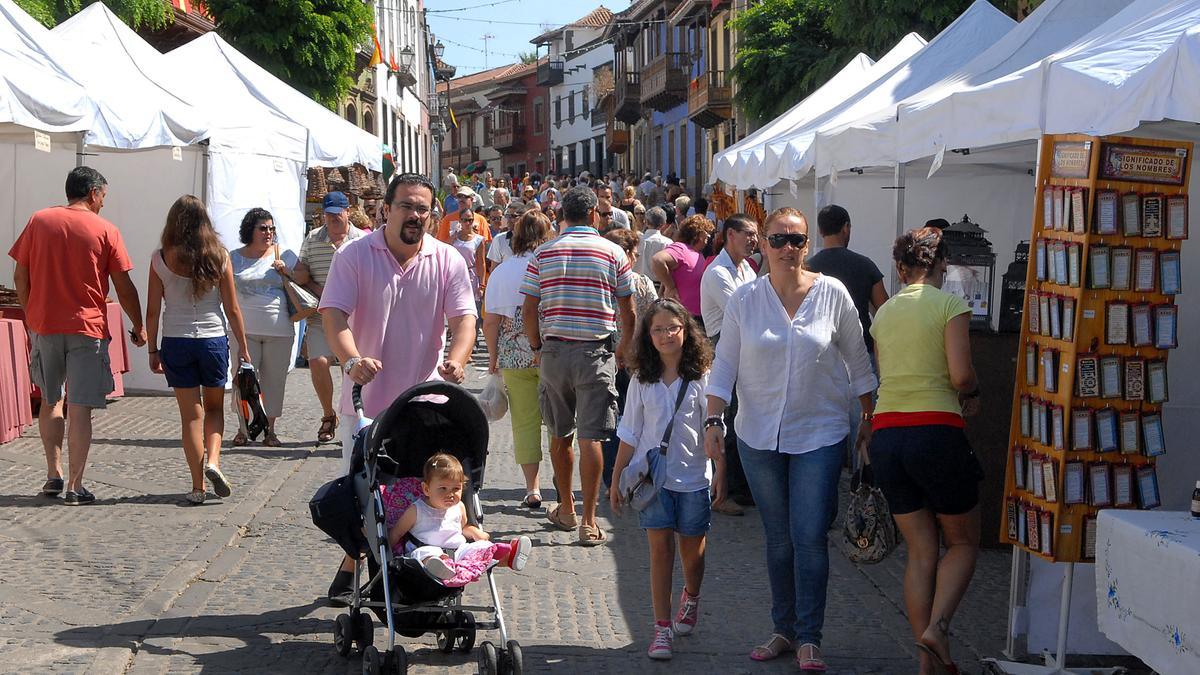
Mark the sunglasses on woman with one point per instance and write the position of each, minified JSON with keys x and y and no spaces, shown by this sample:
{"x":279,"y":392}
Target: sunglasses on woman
{"x":782,"y":239}
{"x":266,"y":228}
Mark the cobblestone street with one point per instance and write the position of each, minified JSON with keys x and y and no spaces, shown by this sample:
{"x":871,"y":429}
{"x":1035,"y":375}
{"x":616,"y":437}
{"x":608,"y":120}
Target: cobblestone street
{"x":140,"y":583}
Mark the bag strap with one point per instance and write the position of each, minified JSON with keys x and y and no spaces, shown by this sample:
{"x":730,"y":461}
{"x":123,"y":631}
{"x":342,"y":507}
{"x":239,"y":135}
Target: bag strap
{"x":683,"y":387}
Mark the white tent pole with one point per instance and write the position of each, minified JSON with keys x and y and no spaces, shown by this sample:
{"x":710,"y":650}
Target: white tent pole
{"x":204,"y":173}
{"x":304,"y":192}
{"x":79,"y":148}
{"x":898,"y":213}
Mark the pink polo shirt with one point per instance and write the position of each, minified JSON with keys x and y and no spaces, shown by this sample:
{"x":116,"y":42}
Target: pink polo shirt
{"x":409,"y":306}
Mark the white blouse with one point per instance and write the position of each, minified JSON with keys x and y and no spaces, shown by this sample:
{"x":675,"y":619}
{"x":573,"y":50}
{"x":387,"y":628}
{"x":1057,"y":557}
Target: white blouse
{"x":648,"y":408}
{"x":795,"y":375}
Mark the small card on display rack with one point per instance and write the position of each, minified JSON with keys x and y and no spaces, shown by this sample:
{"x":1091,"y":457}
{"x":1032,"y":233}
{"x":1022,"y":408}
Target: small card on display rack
{"x":1156,"y":382}
{"x":1116,"y":323}
{"x":1106,"y":212}
{"x":1088,"y":376}
{"x":1101,"y":484}
{"x":1145,"y":268}
{"x":1155,"y":443}
{"x":1166,"y":322}
{"x":1177,"y":217}
{"x":1131,"y":214}
{"x":1122,"y":266}
{"x":1110,"y":377}
{"x":1107,"y":434}
{"x":1170,"y":273}
{"x":1122,"y":476}
{"x":1073,"y":484}
{"x":1099,"y":267}
{"x":1147,"y":479}
{"x":1152,"y":215}
{"x":1081,"y":429}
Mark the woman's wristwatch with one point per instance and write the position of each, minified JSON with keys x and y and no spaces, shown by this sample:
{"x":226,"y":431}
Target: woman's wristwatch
{"x":714,"y":421}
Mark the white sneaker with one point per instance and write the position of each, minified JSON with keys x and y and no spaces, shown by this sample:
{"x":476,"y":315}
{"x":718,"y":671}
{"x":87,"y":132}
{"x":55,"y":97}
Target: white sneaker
{"x":520,"y":553}
{"x":438,"y":568}
{"x":660,"y":646}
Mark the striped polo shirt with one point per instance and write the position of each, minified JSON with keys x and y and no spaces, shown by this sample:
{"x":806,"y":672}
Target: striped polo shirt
{"x":317,"y":251}
{"x":578,"y":277}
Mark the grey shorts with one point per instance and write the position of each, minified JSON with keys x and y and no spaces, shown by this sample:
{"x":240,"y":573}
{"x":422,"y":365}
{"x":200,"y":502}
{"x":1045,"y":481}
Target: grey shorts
{"x":314,"y":339}
{"x":578,"y":390}
{"x":76,"y":365}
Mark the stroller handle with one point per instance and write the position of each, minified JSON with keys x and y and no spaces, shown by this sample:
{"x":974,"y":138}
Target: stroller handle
{"x":356,"y":398}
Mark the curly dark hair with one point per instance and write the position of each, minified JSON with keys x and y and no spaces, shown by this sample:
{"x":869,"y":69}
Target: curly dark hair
{"x":919,"y":249}
{"x":697,"y":350}
{"x":250,"y":221}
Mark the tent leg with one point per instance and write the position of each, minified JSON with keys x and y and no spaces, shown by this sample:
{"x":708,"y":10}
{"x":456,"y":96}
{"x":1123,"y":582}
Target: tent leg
{"x":898,"y":213}
{"x":204,"y":174}
{"x":79,"y":150}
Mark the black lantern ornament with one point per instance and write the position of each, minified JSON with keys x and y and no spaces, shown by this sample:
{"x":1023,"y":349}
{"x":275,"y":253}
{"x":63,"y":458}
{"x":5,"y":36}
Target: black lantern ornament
{"x":1012,"y":292}
{"x":971,"y":270}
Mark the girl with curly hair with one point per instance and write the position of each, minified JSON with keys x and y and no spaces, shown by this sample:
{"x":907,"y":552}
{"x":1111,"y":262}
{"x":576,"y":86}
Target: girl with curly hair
{"x":670,"y":352}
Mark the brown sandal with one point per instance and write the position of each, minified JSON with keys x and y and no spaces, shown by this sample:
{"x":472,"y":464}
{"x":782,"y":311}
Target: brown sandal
{"x":271,"y":440}
{"x":328,"y":429}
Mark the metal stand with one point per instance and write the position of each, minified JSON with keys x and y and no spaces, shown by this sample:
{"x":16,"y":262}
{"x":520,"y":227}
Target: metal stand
{"x":1053,"y":664}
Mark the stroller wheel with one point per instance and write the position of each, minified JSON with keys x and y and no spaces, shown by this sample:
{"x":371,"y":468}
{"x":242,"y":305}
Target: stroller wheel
{"x":372,"y":661}
{"x":489,"y":659}
{"x":399,"y":661}
{"x":513,"y":657}
{"x":466,"y":634}
{"x":445,"y":640}
{"x":343,"y":634}
{"x":364,"y":630}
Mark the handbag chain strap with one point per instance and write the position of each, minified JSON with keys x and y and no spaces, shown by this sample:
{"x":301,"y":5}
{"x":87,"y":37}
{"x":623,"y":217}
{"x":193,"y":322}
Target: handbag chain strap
{"x":683,"y":387}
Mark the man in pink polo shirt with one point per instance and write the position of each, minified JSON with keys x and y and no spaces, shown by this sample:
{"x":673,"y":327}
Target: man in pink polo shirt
{"x":387,"y":300}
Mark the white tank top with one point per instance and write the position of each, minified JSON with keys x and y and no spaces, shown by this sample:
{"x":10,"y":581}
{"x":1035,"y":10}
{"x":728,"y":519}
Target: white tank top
{"x":439,"y":527}
{"x":184,"y":315}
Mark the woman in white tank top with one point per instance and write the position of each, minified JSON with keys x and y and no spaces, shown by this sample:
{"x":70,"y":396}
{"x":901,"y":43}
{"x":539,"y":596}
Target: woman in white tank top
{"x":192,"y":300}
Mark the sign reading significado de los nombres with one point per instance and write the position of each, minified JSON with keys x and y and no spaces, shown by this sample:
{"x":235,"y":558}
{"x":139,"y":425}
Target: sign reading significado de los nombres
{"x":1143,"y":164}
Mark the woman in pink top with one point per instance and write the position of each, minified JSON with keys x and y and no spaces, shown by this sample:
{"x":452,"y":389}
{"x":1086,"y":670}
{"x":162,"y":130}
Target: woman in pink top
{"x":680,"y":266}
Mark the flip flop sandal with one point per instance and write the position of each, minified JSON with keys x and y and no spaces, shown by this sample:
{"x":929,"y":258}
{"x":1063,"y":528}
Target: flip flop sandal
{"x":328,"y":429}
{"x":271,"y":440}
{"x":591,"y":535}
{"x":533,"y":500}
{"x":240,"y":440}
{"x":939,"y":666}
{"x":560,"y":522}
{"x":772,"y":649}
{"x":812,"y":664}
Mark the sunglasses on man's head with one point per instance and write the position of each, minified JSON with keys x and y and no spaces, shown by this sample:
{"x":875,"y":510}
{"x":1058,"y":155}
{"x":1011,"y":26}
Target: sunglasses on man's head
{"x":780,"y":240}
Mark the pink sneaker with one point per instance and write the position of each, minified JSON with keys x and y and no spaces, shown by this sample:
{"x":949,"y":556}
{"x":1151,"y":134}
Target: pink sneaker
{"x":660,"y":646}
{"x":689,"y":613}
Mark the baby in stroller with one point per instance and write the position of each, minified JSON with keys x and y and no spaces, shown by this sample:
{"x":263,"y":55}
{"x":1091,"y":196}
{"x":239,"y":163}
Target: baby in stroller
{"x":438,"y":521}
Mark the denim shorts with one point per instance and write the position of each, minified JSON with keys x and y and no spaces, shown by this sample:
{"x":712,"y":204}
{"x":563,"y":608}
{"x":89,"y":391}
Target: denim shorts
{"x":688,"y":513}
{"x":195,"y":362}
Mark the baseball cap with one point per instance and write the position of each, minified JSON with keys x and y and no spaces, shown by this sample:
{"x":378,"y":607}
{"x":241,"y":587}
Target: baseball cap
{"x":336,"y":202}
{"x":464,"y":191}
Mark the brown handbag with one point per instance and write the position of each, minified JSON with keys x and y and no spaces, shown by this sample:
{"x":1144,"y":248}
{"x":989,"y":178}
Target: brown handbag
{"x":302,"y":304}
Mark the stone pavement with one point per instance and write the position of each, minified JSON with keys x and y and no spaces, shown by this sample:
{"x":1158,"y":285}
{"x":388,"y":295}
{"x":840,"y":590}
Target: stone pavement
{"x":141,"y":583}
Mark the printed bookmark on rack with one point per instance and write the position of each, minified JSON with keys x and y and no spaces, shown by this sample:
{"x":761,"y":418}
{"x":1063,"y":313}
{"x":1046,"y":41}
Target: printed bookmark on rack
{"x":1031,"y":364}
{"x":1048,"y":200}
{"x":1131,"y":214}
{"x":1068,"y":319}
{"x":1143,"y":330}
{"x":1074,"y":490}
{"x":1044,"y":313}
{"x":1122,"y":476}
{"x":1049,"y":362}
{"x":1060,"y":207}
{"x":1026,"y":417}
{"x":1107,"y":435}
{"x":1046,"y":521}
{"x":1110,"y":376}
{"x":1033,"y":522}
{"x":1145,"y":268}
{"x":1106,"y":212}
{"x":1081,"y":430}
{"x":1116,"y":322}
{"x":1078,"y":222}
{"x":1018,"y":458}
{"x":1058,"y":254}
{"x":1099,"y":271}
{"x":1010,"y":512}
{"x":1135,"y":378}
{"x":1148,"y":496}
{"x":1037,"y":486}
{"x":1058,"y":427}
{"x":1155,"y":443}
{"x":1050,"y":480}
{"x":1157,"y":390}
{"x":1152,"y":215}
{"x":1040,"y":265}
{"x":1122,"y":268}
{"x":1170,"y":276}
{"x":1089,"y":538}
{"x":1101,"y":484}
{"x":1074,"y":255}
{"x":1177,"y":217}
{"x":1166,"y":325}
{"x":1087,"y":378}
{"x":1035,"y":312}
{"x":1131,"y":432}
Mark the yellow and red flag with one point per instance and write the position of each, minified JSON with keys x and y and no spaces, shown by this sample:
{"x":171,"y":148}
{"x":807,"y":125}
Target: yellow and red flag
{"x":377,"y":55}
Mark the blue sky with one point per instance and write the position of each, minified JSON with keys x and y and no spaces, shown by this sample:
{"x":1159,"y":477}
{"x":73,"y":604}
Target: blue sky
{"x":462,"y":31}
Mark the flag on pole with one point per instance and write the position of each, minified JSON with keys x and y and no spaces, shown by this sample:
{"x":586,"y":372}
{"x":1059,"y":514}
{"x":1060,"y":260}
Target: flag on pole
{"x":453,"y":119}
{"x":377,"y":55}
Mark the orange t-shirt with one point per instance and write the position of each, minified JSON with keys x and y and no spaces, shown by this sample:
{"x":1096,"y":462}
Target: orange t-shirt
{"x":70,"y":254}
{"x":481,"y":226}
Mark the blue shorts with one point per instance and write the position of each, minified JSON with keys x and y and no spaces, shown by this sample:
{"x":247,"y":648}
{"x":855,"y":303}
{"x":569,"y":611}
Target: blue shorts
{"x":688,"y":513}
{"x":195,"y":362}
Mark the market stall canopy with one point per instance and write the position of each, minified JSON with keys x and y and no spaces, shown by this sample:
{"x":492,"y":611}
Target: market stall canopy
{"x":332,"y":140}
{"x":1141,"y":66}
{"x":35,"y":92}
{"x":731,"y":164}
{"x":929,"y":118}
{"x":120,"y":57}
{"x":133,"y":111}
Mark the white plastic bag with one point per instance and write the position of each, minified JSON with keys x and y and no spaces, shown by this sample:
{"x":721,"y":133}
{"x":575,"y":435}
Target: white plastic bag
{"x":494,"y":398}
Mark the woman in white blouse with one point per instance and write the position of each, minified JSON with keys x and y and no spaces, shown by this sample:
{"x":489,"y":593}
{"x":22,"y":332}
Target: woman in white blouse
{"x":792,"y":343}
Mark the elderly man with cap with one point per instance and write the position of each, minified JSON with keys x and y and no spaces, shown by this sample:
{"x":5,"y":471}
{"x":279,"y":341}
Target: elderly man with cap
{"x":449,"y":225}
{"x":316,"y":255}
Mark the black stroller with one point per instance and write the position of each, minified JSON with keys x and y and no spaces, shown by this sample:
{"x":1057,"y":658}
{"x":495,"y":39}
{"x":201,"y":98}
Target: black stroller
{"x":428,"y":418}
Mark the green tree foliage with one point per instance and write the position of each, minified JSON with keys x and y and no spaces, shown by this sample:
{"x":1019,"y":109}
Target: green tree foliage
{"x":528,"y":57}
{"x":136,"y":13}
{"x":311,"y":45}
{"x":789,"y":48}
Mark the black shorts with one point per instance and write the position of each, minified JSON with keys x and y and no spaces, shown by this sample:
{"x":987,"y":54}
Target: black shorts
{"x":929,"y":467}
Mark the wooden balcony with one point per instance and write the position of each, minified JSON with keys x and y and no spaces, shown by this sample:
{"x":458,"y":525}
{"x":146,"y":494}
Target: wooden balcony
{"x":509,"y":139}
{"x":665,"y":81}
{"x":459,"y":157}
{"x":616,"y":137}
{"x":710,"y":99}
{"x":627,"y":96}
{"x":550,"y":73}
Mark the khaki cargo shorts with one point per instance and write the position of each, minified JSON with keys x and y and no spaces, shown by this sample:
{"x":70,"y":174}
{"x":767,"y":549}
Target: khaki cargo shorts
{"x":577,"y":390}
{"x":77,"y":365}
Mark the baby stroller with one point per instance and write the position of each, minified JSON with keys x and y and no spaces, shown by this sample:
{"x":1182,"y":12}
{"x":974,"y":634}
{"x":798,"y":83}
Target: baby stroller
{"x":428,"y":418}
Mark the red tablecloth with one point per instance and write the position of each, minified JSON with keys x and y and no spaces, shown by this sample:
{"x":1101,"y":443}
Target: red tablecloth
{"x":18,"y":356}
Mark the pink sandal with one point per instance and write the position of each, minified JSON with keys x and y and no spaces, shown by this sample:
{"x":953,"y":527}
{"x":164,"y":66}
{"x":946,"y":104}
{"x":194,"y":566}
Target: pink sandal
{"x":772,"y":649}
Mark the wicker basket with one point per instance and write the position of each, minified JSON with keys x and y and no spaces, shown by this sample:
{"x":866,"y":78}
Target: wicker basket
{"x":335,"y":179}
{"x":360,"y":180}
{"x":317,"y":186}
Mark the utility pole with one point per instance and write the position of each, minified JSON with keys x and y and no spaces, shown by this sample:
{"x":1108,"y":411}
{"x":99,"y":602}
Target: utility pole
{"x":485,"y":37}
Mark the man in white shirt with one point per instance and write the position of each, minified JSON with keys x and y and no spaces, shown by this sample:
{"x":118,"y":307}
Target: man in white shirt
{"x":501,"y":247}
{"x":729,"y":271}
{"x":646,"y":188}
{"x":652,"y":241}
{"x":604,"y":193}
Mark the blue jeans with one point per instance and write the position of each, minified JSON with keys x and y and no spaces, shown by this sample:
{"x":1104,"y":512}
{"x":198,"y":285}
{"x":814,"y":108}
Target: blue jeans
{"x":796,"y":497}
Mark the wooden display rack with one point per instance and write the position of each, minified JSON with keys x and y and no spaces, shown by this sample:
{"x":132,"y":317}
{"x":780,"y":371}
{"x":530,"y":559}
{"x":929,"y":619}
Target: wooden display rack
{"x":1083,"y":162}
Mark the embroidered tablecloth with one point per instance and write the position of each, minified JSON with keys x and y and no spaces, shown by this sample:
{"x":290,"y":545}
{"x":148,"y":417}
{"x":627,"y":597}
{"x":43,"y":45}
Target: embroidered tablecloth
{"x":1148,"y":586}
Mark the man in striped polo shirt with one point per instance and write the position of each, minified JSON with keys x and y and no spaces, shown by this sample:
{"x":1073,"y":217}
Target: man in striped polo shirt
{"x":316,"y":255}
{"x":572,"y":289}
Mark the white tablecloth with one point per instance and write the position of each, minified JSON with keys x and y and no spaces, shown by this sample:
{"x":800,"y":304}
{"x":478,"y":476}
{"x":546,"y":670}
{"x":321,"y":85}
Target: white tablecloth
{"x":1148,"y":586}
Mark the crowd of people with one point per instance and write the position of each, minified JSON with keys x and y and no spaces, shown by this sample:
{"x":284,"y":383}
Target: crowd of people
{"x":657,"y":337}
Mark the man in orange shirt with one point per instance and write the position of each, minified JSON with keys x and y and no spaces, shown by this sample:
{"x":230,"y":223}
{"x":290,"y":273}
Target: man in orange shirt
{"x":65,"y":313}
{"x":448,"y":227}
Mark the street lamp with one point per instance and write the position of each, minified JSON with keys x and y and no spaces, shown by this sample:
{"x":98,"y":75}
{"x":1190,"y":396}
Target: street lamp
{"x":439,"y":49}
{"x":406,"y":58}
